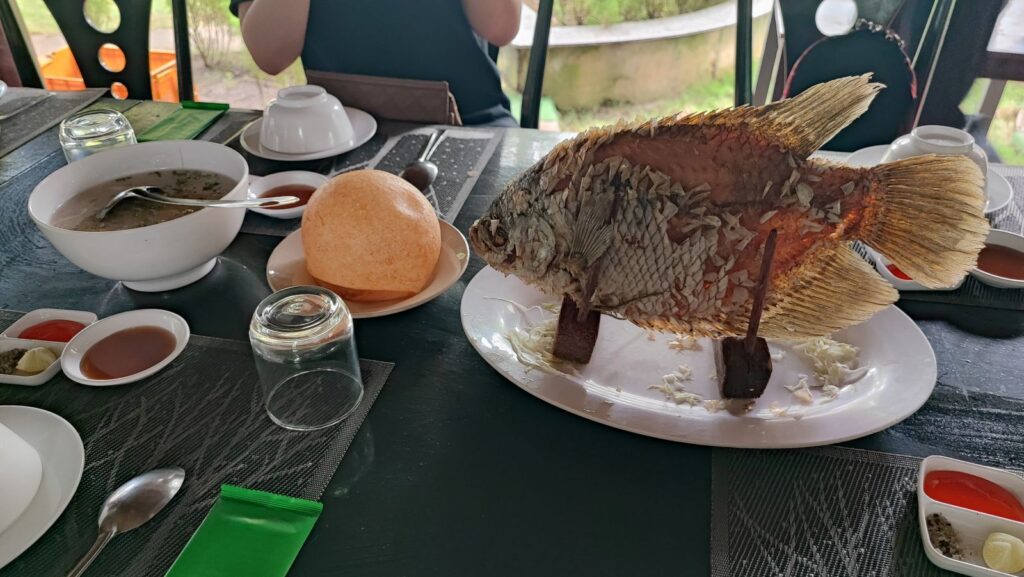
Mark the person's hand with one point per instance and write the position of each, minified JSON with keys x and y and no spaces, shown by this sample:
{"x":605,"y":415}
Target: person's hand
{"x":497,"y":21}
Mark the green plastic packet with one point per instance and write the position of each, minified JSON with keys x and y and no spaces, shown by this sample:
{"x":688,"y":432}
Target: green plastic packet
{"x":185,"y":123}
{"x":250,"y":533}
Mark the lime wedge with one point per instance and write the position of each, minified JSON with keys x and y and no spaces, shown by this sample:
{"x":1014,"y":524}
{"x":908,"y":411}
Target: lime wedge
{"x":1003,"y":552}
{"x":36,"y":360}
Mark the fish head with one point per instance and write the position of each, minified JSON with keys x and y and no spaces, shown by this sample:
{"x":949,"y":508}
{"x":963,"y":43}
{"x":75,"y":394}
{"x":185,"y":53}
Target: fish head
{"x":517,"y":233}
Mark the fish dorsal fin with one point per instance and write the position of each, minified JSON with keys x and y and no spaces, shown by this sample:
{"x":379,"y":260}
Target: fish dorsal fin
{"x":810,"y":119}
{"x":803,"y":123}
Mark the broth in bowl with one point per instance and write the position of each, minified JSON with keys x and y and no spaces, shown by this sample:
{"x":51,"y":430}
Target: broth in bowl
{"x":79,"y":212}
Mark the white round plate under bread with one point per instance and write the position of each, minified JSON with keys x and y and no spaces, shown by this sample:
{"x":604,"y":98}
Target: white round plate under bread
{"x":286,"y":267}
{"x":615,"y":387}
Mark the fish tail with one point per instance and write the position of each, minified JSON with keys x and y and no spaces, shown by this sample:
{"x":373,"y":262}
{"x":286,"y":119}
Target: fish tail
{"x":927,"y":217}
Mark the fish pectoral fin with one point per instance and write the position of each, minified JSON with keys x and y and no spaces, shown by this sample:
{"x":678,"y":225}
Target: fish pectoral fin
{"x":832,"y":289}
{"x":592,"y":233}
{"x":807,"y":121}
{"x":591,"y":237}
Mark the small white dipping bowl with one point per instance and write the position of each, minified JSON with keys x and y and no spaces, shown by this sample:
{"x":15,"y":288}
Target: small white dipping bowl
{"x":159,"y":257}
{"x":259,"y":185}
{"x":39,"y":378}
{"x":37,"y":316}
{"x":71,"y":361}
{"x":305,"y":119}
{"x":1009,"y":240}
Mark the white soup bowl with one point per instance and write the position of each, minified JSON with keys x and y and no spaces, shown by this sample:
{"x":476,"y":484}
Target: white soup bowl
{"x":159,"y":257}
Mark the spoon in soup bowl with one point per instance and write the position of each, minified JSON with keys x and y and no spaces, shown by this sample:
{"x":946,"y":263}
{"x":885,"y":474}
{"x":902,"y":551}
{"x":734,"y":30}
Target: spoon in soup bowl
{"x":154,"y":194}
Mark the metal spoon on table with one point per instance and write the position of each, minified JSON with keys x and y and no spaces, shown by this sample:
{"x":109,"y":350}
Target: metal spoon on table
{"x":421,"y":172}
{"x":155,"y":194}
{"x":130,"y":506}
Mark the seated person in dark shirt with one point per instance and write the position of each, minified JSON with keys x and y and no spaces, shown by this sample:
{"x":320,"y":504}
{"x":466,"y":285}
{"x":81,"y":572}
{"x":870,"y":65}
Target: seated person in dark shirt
{"x":413,"y":39}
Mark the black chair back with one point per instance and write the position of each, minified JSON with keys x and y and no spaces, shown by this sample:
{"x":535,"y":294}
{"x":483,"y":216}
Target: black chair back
{"x":130,"y":36}
{"x":529,"y":116}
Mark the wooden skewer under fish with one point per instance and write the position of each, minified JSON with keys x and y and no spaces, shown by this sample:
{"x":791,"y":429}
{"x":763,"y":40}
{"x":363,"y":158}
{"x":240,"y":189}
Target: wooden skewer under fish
{"x":663,"y":222}
{"x":744,"y":364}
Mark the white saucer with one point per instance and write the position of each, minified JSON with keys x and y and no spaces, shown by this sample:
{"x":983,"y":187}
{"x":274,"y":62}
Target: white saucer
{"x":63,"y":456}
{"x":286,"y":267}
{"x":998,"y":191}
{"x":363,"y":125}
{"x":71,"y":360}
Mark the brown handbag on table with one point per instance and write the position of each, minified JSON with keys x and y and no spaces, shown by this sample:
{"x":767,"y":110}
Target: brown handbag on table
{"x":423,"y":101}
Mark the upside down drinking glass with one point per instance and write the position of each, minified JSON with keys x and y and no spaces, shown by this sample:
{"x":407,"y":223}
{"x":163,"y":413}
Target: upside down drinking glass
{"x":304,"y":344}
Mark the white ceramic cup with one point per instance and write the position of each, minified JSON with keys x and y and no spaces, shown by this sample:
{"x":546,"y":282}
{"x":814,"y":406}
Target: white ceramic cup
{"x":305,"y":119}
{"x":21,"y":470}
{"x":938,"y":140}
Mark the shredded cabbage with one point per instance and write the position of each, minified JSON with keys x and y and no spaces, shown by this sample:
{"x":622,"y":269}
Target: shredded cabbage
{"x":834,"y":362}
{"x":534,"y":344}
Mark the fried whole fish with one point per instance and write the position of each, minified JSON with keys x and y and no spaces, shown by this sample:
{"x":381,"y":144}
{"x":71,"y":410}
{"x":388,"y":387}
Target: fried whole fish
{"x":663,"y":222}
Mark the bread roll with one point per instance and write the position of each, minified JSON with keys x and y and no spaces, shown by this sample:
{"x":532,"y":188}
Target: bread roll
{"x":371,"y":236}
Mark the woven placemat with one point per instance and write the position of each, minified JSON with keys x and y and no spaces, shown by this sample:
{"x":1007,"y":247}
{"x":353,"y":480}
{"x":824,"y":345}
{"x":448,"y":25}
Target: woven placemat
{"x":44,"y":109}
{"x":461,"y":156}
{"x":202,"y":413}
{"x":840,"y":511}
{"x":821,"y":512}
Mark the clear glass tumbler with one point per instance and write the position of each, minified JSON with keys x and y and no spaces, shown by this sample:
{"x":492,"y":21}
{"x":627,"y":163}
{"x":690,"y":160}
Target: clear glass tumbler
{"x":91,"y":131}
{"x":305,"y":350}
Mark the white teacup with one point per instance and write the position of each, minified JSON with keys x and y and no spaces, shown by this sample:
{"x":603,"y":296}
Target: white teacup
{"x":21,"y":470}
{"x":305,"y":119}
{"x":938,"y":140}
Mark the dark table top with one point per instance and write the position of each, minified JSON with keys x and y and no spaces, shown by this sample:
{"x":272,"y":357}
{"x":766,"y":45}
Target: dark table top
{"x":457,"y":471}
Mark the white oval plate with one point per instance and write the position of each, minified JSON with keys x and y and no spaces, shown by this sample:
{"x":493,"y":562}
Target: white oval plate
{"x":63,"y":456}
{"x":614,"y":388}
{"x":286,"y":267}
{"x":262,"y":184}
{"x":364,"y":127}
{"x":998,"y":192}
{"x":71,"y":361}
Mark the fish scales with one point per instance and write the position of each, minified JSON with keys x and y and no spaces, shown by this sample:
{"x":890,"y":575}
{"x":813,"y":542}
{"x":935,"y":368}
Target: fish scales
{"x":664,"y":221}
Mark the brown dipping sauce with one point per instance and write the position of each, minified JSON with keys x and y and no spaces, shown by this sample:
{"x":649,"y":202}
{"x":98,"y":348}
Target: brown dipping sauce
{"x":302,"y":191}
{"x":1002,"y":261}
{"x":127,"y":352}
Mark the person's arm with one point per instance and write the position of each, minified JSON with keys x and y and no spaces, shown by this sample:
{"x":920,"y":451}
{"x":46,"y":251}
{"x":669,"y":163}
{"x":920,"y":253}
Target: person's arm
{"x":274,"y":31}
{"x":496,"y":20}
